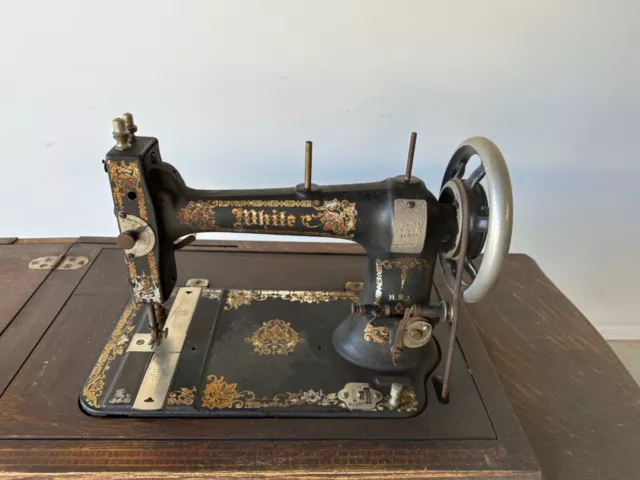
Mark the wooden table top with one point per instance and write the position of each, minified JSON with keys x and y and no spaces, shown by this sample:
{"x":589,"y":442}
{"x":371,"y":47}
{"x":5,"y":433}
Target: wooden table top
{"x":578,"y":405}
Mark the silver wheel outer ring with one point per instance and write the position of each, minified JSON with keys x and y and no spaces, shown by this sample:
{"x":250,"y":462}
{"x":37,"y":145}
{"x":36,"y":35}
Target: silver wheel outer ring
{"x":500,"y":202}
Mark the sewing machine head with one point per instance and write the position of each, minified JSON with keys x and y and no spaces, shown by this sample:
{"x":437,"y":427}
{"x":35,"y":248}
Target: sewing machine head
{"x":403,"y":227}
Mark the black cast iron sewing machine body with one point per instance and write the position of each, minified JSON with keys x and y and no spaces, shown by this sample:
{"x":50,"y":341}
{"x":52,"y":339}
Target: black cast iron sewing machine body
{"x":385,"y":337}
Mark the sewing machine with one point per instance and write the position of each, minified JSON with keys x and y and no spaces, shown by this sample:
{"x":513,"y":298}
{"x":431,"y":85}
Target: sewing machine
{"x":368,"y":350}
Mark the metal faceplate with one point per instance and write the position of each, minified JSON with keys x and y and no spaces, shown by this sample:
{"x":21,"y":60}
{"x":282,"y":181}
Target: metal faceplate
{"x":409,"y":226}
{"x":360,"y":396}
{"x":145,"y":240}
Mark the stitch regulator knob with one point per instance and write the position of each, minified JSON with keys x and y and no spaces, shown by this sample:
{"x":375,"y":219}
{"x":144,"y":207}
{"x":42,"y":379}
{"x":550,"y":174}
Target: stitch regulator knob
{"x":127,"y":240}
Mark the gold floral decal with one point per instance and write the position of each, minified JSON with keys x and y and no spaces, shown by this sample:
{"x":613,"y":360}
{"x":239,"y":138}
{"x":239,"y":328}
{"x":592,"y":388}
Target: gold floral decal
{"x":220,"y":393}
{"x":121,"y":395}
{"x":125,"y":178}
{"x":334,"y":217}
{"x":211,"y":294}
{"x":404,"y":264}
{"x":200,"y":215}
{"x":153,"y":267}
{"x":264,"y":203}
{"x":338,"y":217}
{"x":238,"y":298}
{"x":406,"y":403}
{"x":144,"y":289}
{"x":376,"y":334}
{"x":184,"y":396}
{"x":275,"y":337}
{"x":115,"y":347}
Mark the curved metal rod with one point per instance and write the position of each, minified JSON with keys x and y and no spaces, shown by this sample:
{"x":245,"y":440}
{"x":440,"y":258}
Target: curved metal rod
{"x":470,"y":268}
{"x":476,"y":176}
{"x":457,"y":289}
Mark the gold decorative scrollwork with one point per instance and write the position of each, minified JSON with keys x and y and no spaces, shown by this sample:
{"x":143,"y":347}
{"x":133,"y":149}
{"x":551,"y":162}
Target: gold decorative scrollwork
{"x":404,"y":264}
{"x":115,"y":347}
{"x":144,"y":289}
{"x":336,"y":216}
{"x":211,"y":294}
{"x":126,"y":179}
{"x":222,"y":394}
{"x":200,"y":215}
{"x":219,"y":393}
{"x":184,"y":396}
{"x":407,"y":402}
{"x":275,"y":337}
{"x":121,"y":396}
{"x":376,"y":334}
{"x":153,"y":267}
{"x":238,"y":298}
{"x":264,"y":203}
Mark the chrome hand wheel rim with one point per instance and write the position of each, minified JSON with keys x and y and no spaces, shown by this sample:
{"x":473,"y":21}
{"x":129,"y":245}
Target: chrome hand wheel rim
{"x":499,"y":222}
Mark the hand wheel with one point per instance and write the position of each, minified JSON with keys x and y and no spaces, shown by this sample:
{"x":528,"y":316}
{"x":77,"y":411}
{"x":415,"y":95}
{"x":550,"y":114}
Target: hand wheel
{"x":490,"y":216}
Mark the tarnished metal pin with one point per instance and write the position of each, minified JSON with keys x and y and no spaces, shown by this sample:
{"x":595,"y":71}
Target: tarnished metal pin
{"x":412,"y":150}
{"x":308,"y":152}
{"x":121,"y":134}
{"x":131,"y":127}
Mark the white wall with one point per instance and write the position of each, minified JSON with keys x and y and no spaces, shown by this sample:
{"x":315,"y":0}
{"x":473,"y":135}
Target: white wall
{"x":234,"y":88}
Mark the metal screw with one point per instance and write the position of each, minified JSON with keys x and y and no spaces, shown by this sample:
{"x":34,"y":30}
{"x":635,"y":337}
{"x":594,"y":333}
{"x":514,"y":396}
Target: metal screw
{"x":344,"y":395}
{"x":130,"y":256}
{"x":376,"y":396}
{"x":140,"y":342}
{"x":411,"y":204}
{"x":122,"y":215}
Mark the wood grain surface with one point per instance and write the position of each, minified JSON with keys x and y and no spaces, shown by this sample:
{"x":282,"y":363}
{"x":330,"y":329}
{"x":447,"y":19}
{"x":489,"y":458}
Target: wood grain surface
{"x":17,"y":281}
{"x":25,"y":331}
{"x":576,"y":402}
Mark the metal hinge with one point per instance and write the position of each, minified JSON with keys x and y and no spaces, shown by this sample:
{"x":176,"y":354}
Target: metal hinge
{"x":59,"y":262}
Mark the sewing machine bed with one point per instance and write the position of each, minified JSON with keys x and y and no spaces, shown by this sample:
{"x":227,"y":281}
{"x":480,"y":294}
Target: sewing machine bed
{"x":254,"y":353}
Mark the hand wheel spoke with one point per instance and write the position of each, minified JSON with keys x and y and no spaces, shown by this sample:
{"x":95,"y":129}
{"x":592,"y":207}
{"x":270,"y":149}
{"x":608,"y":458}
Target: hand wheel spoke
{"x":470,"y":268}
{"x":476,"y":176}
{"x":459,"y":171}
